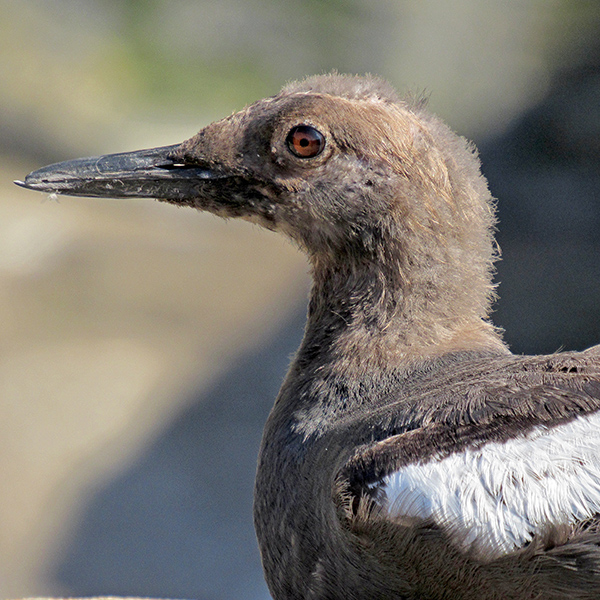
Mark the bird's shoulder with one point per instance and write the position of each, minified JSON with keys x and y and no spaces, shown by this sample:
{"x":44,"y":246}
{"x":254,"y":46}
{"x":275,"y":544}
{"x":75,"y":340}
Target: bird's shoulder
{"x":496,"y":450}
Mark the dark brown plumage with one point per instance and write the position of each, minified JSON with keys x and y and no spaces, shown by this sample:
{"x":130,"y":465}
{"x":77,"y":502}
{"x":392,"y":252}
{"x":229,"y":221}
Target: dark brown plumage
{"x":400,"y":381}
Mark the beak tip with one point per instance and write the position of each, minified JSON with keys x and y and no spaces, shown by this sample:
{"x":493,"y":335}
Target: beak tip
{"x":26,"y":183}
{"x":31,"y":183}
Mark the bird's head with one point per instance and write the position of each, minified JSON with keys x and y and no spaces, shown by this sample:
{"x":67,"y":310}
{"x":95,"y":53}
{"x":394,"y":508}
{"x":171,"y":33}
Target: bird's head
{"x":335,"y":162}
{"x":340,"y":164}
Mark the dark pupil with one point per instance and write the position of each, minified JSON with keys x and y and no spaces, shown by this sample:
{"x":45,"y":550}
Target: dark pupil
{"x":304,"y":142}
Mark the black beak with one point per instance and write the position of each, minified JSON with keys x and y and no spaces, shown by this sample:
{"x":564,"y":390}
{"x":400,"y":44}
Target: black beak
{"x":153,"y":173}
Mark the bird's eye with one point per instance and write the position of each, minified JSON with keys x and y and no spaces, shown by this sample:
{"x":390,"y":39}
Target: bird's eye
{"x":305,"y":141}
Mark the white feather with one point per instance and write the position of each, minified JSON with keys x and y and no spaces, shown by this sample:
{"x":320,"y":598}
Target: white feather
{"x":497,"y":497}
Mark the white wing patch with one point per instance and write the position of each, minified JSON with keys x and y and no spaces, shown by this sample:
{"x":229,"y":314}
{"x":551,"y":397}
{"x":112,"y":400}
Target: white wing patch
{"x":495,"y":498}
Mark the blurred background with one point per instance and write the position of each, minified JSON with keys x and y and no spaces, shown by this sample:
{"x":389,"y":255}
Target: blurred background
{"x":141,"y":345}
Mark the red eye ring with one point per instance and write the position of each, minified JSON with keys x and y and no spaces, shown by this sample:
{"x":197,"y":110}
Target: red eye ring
{"x":305,"y":141}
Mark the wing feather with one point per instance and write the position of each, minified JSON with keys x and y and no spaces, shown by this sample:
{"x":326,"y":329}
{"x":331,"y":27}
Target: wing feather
{"x":495,"y":458}
{"x":497,"y":497}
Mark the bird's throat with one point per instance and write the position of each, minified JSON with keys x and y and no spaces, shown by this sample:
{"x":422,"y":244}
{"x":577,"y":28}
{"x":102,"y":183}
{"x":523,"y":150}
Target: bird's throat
{"x":373,"y":315}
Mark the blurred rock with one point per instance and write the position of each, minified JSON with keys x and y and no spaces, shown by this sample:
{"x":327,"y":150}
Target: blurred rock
{"x":545,"y":172}
{"x":178,"y":520}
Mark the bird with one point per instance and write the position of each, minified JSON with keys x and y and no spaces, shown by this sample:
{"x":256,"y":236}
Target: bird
{"x":409,"y":454}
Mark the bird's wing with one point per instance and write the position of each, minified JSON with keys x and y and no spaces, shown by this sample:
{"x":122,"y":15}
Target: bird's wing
{"x":530,"y":461}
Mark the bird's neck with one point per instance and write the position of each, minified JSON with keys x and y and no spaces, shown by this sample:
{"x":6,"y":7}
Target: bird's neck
{"x":377,"y":315}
